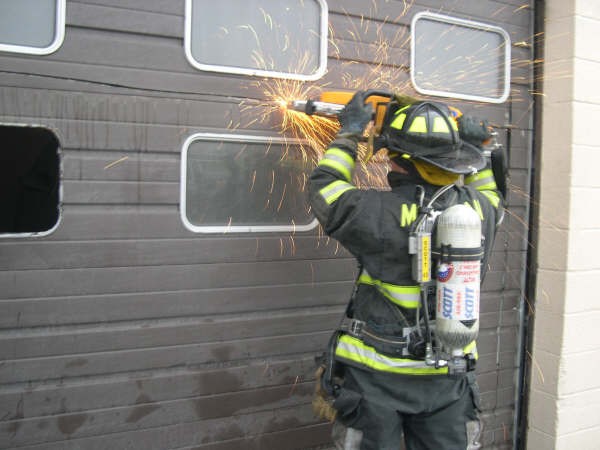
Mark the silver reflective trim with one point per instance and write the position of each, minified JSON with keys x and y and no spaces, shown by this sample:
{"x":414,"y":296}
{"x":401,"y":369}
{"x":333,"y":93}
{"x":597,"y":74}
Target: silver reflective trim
{"x":474,"y":430}
{"x":346,"y":438}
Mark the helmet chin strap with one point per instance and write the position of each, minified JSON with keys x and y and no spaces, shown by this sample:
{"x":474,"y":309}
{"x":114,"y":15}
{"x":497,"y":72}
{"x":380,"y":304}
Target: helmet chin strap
{"x":430,"y":173}
{"x":398,"y":168}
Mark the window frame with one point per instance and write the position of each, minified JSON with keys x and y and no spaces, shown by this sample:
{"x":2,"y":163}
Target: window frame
{"x":468,"y":24}
{"x":36,"y":234}
{"x":321,"y":70}
{"x":236,"y":138}
{"x":59,"y":37}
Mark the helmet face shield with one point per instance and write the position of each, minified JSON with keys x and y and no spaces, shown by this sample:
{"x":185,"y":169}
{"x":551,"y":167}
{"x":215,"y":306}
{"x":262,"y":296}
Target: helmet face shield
{"x":427,"y":131}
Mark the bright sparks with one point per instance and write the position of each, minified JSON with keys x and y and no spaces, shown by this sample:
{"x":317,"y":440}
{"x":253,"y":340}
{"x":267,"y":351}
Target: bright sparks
{"x":374,"y":44}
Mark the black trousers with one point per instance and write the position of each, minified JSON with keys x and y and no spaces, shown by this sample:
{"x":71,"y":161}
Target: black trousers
{"x":431,"y":412}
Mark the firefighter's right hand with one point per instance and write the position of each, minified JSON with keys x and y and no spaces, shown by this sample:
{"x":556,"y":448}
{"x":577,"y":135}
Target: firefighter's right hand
{"x":355,"y":116}
{"x":473,"y":130}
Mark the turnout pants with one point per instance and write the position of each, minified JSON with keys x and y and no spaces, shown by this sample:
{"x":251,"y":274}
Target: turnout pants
{"x":431,"y":412}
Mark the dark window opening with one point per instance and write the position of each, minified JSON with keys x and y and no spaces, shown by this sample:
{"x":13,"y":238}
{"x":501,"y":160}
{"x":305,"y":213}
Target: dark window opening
{"x":30,"y":179}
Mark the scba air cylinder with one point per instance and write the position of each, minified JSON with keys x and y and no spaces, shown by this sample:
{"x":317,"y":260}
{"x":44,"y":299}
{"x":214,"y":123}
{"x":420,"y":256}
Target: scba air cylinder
{"x":458,"y":237}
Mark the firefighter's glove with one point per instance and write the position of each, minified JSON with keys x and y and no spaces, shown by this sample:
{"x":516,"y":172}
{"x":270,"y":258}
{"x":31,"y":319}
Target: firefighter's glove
{"x":355,"y":116}
{"x":322,"y":404}
{"x":499,"y":163}
{"x":473,"y":130}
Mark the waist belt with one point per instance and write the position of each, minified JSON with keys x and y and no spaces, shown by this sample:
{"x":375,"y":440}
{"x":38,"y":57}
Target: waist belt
{"x":390,"y":345}
{"x":393,"y":346}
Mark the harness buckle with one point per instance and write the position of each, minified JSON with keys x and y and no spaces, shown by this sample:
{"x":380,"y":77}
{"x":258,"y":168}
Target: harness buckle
{"x":471,"y":362}
{"x":355,"y":328}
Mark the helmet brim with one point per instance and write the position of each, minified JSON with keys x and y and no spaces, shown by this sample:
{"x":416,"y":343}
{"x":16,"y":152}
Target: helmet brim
{"x":462,"y":158}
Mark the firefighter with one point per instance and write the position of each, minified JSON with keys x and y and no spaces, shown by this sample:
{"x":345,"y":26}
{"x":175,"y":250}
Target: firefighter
{"x":383,"y":389}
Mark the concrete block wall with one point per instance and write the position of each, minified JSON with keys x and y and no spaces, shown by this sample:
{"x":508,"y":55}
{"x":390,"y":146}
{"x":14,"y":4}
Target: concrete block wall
{"x":564,"y":409}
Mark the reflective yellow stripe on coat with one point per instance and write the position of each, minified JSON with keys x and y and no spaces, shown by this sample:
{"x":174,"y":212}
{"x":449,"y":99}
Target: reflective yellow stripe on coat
{"x":333,"y":191}
{"x":340,"y":161}
{"x":354,"y":350}
{"x":485,"y":182}
{"x":482,"y":181}
{"x":405,"y":296}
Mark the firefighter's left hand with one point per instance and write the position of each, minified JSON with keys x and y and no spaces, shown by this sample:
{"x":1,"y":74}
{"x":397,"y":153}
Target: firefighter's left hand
{"x":355,"y":116}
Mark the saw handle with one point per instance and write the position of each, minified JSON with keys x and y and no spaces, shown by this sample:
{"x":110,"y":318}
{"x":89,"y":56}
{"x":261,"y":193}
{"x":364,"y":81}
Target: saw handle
{"x":377,"y":93}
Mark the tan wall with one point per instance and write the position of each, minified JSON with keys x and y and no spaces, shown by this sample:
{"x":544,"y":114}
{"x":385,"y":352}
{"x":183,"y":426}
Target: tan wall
{"x":564,"y":410}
